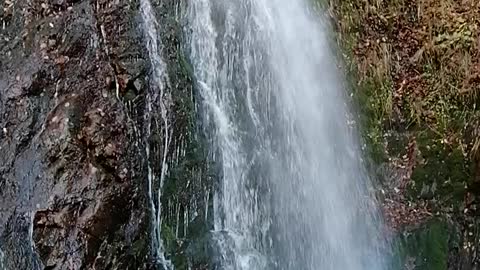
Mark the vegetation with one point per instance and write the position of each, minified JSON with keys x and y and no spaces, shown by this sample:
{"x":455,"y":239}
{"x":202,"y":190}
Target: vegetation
{"x":416,"y":68}
{"x":425,"y":249}
{"x":185,"y":208}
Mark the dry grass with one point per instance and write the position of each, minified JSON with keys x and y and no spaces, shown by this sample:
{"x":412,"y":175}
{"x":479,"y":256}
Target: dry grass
{"x":422,"y":58}
{"x":417,"y":64}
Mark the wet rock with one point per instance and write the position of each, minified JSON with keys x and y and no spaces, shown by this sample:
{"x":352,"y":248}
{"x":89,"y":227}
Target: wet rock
{"x":71,"y":178}
{"x":186,"y":199}
{"x":72,"y":173}
{"x":138,"y":85}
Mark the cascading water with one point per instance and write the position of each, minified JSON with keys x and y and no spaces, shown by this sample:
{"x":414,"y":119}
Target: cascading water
{"x":2,"y":266}
{"x":294,"y":193}
{"x":156,"y":97}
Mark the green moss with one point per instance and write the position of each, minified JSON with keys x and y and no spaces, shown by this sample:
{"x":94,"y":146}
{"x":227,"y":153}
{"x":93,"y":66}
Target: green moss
{"x":373,"y":116}
{"x":444,"y":171}
{"x":185,"y":67}
{"x":173,"y":248}
{"x":188,"y":179}
{"x":169,"y":239}
{"x":425,"y":248}
{"x":139,"y":246}
{"x":397,"y":143}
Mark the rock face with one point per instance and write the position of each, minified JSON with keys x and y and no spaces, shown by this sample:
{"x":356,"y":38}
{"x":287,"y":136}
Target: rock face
{"x":72,"y":193}
{"x":74,"y":76}
{"x":187,"y":196}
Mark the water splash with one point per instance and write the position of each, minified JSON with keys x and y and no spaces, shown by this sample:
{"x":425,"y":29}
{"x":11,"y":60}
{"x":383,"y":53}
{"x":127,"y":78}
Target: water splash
{"x":30,"y":232}
{"x":294,"y":193}
{"x":156,"y":97}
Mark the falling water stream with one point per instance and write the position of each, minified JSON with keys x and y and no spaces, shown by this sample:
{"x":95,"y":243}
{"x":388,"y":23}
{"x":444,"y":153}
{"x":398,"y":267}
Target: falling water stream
{"x":2,"y":266}
{"x":294,"y":193}
{"x":156,"y":97}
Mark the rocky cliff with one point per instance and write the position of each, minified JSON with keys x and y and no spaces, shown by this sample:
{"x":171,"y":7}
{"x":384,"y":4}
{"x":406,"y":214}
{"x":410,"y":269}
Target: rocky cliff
{"x":73,"y":189}
{"x":72,"y":193}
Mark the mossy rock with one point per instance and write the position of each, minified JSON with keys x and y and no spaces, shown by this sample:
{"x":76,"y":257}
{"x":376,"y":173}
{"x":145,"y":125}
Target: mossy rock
{"x":194,"y":250}
{"x":443,"y":173}
{"x":425,"y":248}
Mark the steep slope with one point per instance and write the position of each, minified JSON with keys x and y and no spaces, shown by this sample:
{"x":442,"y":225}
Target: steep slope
{"x":416,"y":75}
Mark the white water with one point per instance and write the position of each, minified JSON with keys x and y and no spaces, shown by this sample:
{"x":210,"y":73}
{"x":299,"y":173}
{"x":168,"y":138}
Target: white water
{"x":156,"y":97}
{"x":294,"y":193}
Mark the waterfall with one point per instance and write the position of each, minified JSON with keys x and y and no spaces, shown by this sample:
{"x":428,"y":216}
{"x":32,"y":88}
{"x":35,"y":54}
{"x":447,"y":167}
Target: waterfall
{"x":156,"y":97}
{"x":294,"y":193}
